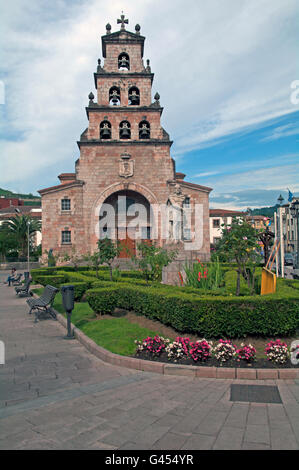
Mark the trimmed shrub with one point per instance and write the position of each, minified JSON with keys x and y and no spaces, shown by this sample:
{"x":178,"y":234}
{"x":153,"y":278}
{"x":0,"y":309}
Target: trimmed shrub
{"x":79,"y":289}
{"x":102,"y":300}
{"x":54,"y":280}
{"x":207,"y":316}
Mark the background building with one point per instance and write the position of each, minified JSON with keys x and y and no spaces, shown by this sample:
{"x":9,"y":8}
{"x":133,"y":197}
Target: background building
{"x":219,"y":217}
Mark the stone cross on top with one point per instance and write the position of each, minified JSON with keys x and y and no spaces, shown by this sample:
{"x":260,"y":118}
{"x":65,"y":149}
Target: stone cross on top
{"x":122,"y":21}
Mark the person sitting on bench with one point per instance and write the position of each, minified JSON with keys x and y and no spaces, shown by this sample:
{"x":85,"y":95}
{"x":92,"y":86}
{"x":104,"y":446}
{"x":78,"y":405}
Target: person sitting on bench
{"x":12,"y":276}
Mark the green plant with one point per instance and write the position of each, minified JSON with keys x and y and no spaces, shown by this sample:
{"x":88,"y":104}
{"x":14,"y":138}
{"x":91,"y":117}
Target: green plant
{"x":208,"y":277}
{"x":108,"y":251}
{"x":152,"y":259}
{"x":239,"y":244}
{"x":18,"y":227}
{"x":74,"y":257}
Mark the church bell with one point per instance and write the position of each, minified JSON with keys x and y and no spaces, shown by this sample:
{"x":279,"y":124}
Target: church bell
{"x":144,"y":132}
{"x":124,"y":132}
{"x":123,"y":62}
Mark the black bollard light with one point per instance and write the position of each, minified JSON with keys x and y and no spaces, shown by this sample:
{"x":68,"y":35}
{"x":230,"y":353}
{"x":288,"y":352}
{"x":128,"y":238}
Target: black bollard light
{"x":68,"y":304}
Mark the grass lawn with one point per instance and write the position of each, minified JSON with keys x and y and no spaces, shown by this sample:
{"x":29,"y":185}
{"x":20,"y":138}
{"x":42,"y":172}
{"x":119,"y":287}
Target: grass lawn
{"x":117,"y":335}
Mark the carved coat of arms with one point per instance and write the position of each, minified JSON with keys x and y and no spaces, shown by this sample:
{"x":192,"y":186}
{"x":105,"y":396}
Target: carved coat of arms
{"x":126,"y":166}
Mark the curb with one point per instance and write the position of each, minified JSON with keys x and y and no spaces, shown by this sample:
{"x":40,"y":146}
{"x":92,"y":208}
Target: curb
{"x":177,"y":369}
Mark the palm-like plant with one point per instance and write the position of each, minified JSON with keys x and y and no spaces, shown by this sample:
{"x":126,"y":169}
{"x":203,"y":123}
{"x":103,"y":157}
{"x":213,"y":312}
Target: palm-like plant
{"x":17,"y":227}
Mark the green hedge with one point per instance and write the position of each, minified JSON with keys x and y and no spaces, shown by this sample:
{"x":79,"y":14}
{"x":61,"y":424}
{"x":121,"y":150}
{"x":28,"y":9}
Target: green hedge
{"x":218,"y":316}
{"x":55,"y":280}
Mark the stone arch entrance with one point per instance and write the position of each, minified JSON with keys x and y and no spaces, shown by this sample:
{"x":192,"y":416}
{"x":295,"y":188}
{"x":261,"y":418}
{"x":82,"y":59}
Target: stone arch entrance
{"x":114,"y":189}
{"x":126,"y":216}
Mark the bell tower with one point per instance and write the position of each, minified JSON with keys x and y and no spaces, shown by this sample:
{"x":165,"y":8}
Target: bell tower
{"x":124,"y":151}
{"x":124,"y":92}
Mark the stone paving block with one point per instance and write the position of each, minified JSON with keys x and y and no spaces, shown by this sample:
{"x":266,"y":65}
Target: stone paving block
{"x":267,"y":373}
{"x":150,"y":435}
{"x":171,"y":369}
{"x":85,"y":439}
{"x":212,"y":423}
{"x":257,"y":415}
{"x":237,"y":416}
{"x":255,"y":446}
{"x":282,"y":437}
{"x":170,"y":441}
{"x":199,"y":442}
{"x":229,"y":438}
{"x":257,"y":434}
{"x":226,"y":372}
{"x":246,"y":374}
{"x":288,"y":373}
{"x":206,"y":372}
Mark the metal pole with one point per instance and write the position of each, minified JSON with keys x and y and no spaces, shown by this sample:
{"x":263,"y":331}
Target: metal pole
{"x":275,"y":239}
{"x":28,"y":248}
{"x":281,"y":242}
{"x":297,"y":259}
{"x":69,"y":326}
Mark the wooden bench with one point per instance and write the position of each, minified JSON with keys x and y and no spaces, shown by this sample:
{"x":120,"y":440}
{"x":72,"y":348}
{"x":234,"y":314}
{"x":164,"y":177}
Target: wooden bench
{"x":44,"y":303}
{"x":24,"y":291}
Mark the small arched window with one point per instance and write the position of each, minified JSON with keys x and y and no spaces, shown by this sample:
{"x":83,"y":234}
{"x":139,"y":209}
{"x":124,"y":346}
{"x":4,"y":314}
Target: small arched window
{"x":125,"y":130}
{"x":144,"y":130}
{"x":114,"y":96}
{"x":134,"y":96}
{"x":123,"y":61}
{"x":105,"y":130}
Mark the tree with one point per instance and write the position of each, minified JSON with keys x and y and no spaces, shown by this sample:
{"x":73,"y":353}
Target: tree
{"x":239,"y":244}
{"x":8,"y":243}
{"x":17,"y":228}
{"x":73,"y":257}
{"x":152,"y":260}
{"x":108,"y":251}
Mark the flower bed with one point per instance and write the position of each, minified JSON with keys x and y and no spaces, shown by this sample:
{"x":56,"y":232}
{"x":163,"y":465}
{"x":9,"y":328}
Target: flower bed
{"x":221,"y":354}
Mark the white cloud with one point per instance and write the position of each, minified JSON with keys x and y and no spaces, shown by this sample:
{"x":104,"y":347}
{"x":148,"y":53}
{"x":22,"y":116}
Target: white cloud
{"x":216,"y":66}
{"x":281,"y":132}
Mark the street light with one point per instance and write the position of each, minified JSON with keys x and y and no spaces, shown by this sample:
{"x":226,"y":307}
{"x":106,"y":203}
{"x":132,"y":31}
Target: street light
{"x":280,"y":199}
{"x":294,"y":209}
{"x":28,"y":243}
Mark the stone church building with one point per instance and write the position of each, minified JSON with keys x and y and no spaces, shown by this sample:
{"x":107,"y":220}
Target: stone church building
{"x":125,"y":185}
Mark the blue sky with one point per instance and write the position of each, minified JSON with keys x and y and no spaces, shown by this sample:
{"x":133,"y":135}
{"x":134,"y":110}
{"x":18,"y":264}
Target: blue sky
{"x":223,"y":68}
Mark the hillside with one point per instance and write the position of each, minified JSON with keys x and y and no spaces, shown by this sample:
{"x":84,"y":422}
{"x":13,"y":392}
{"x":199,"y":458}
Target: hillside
{"x":6,"y":193}
{"x":265,"y":211}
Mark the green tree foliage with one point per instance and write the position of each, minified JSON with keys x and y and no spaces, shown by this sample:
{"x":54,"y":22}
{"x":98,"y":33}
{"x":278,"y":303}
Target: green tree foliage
{"x":239,"y":244}
{"x":73,"y":257}
{"x":151,"y":259}
{"x":17,"y":228}
{"x":8,"y":244}
{"x":108,"y":250}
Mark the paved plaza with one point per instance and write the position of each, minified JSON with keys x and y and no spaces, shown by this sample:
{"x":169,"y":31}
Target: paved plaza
{"x":55,"y":395}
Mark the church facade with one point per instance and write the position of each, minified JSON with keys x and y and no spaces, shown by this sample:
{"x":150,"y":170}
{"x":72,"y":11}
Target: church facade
{"x":125,"y":185}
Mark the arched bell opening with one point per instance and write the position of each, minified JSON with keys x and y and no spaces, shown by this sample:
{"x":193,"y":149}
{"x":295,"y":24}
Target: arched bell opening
{"x":123,"y":61}
{"x":126,"y":216}
{"x":114,"y":96}
{"x":134,"y":96}
{"x":144,"y":130}
{"x":105,"y":130}
{"x":125,"y":130}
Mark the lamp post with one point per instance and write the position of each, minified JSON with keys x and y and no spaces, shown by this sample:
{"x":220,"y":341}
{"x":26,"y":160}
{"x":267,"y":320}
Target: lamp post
{"x":28,"y":241}
{"x":280,"y":200}
{"x":294,"y":208}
